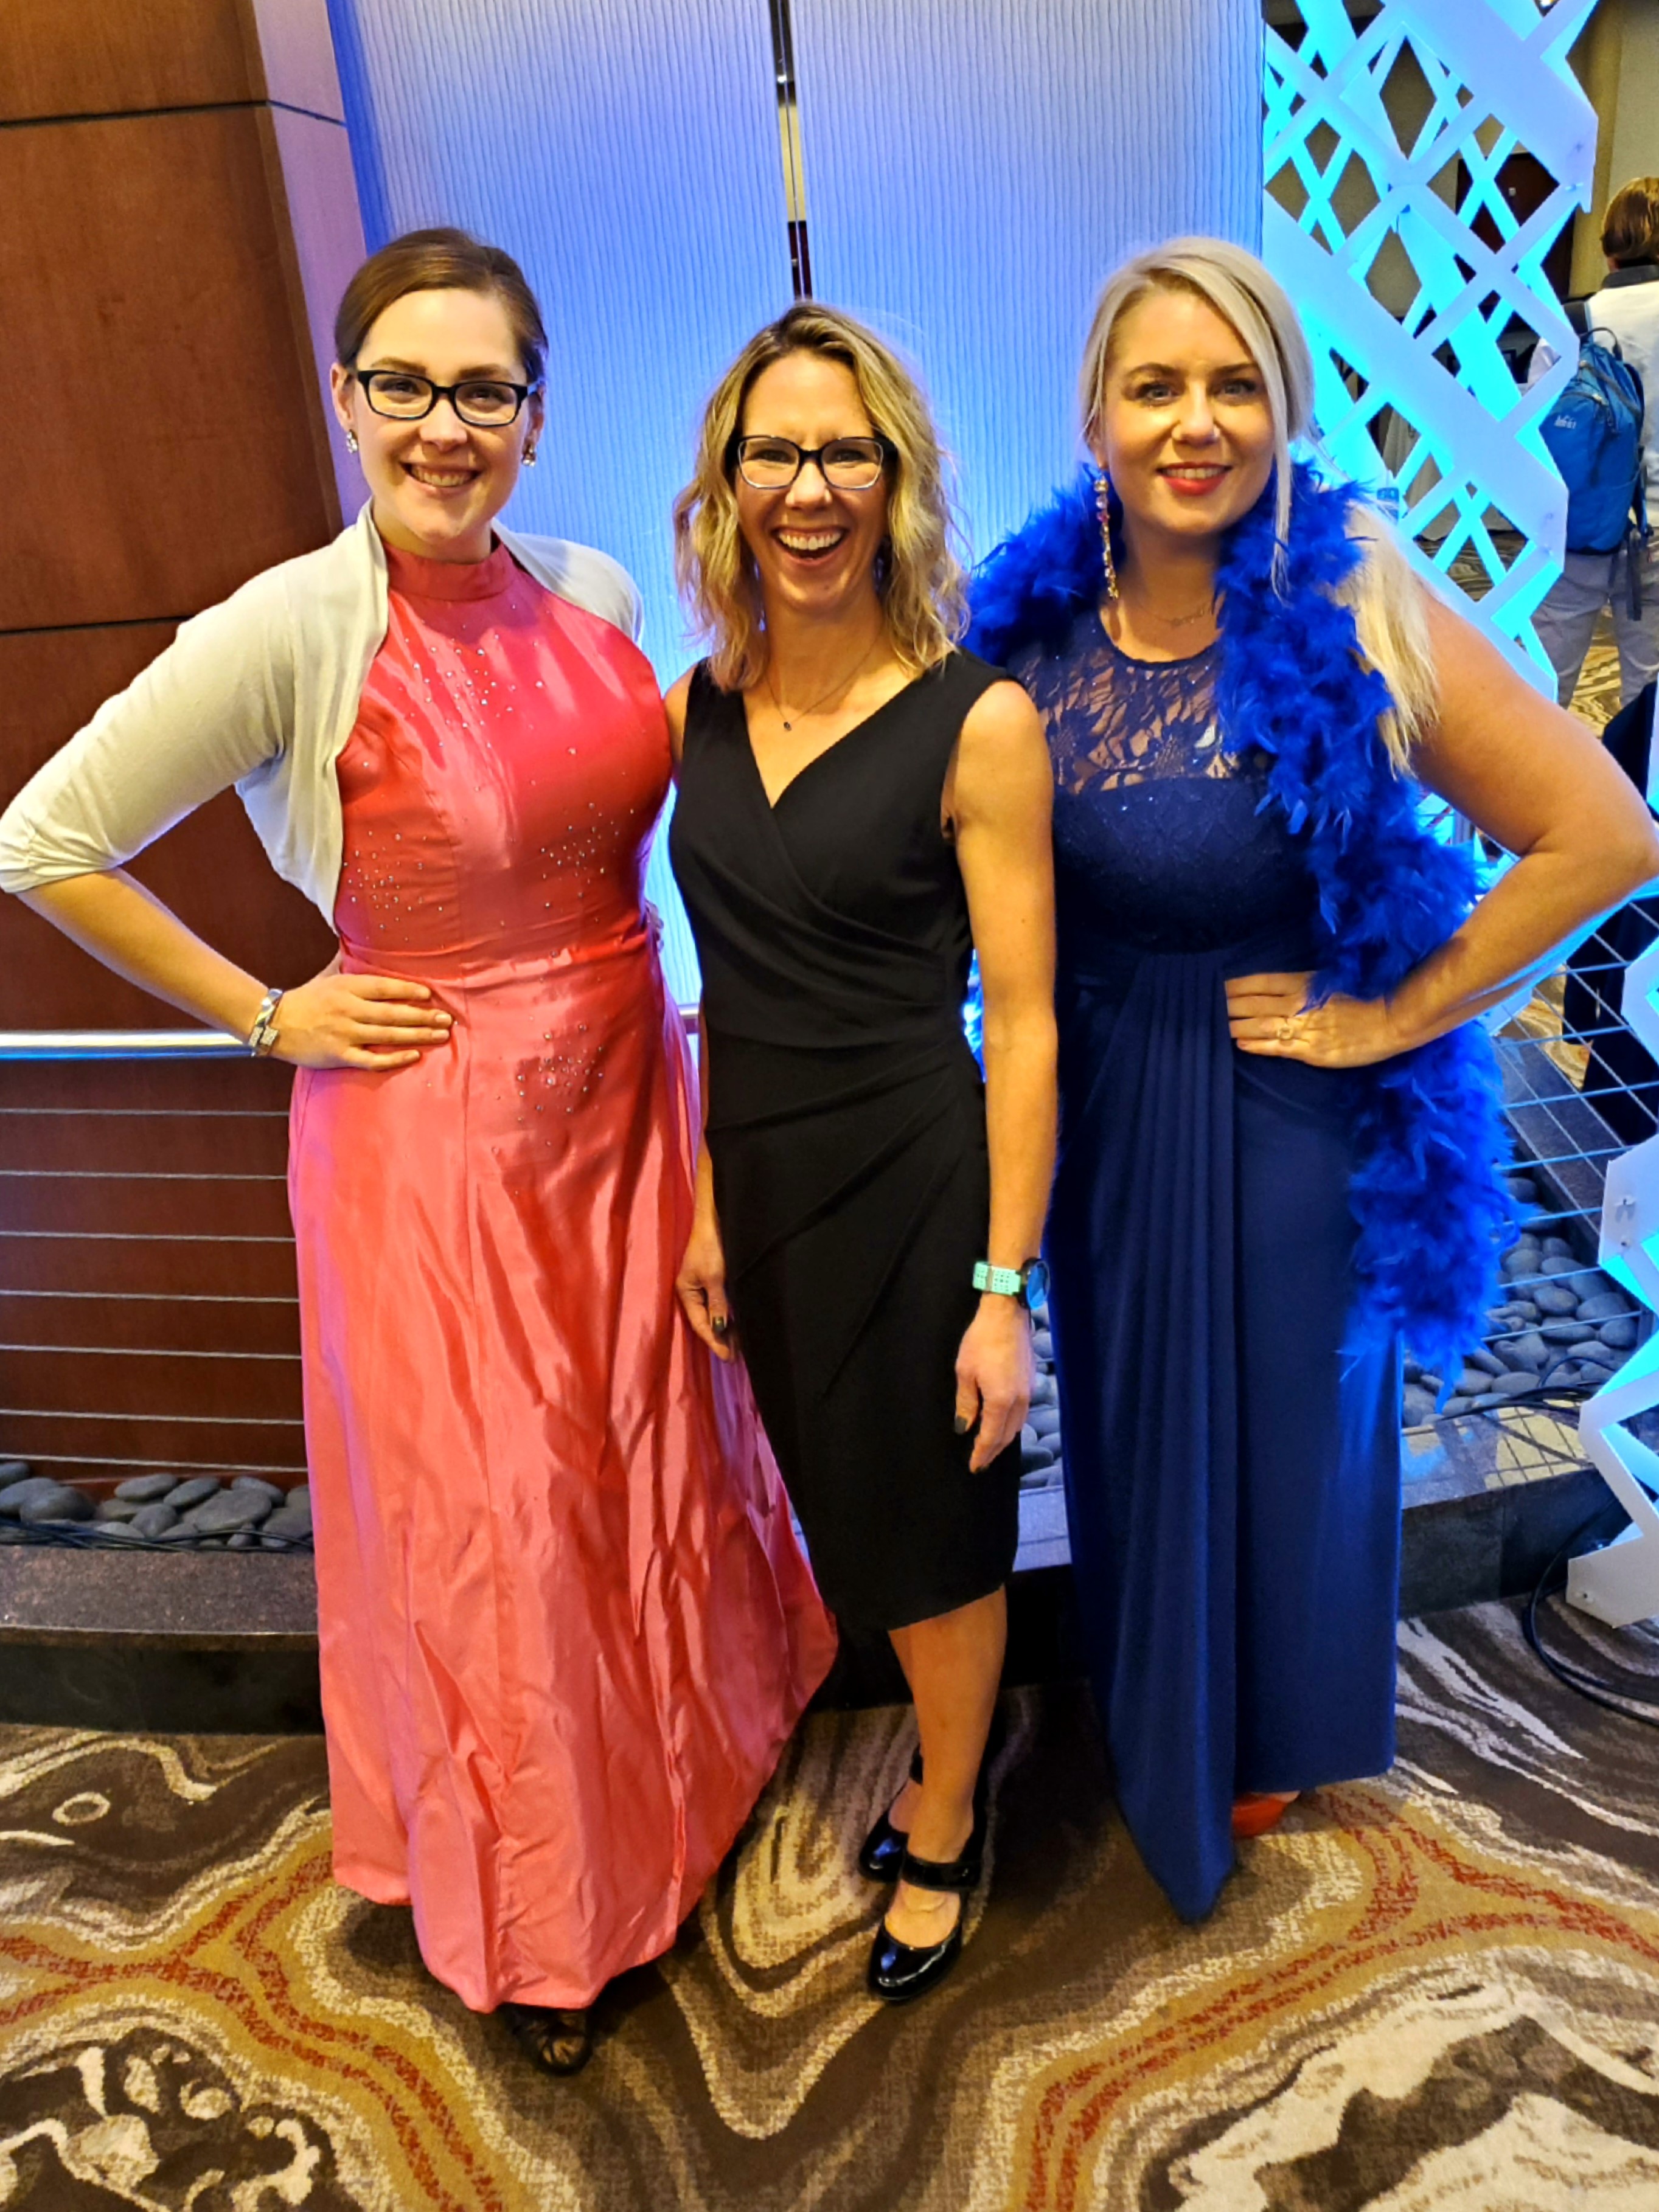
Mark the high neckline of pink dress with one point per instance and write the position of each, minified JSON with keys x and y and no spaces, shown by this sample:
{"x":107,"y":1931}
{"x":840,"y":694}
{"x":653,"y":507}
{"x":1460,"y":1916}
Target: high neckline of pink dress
{"x":416,"y":577}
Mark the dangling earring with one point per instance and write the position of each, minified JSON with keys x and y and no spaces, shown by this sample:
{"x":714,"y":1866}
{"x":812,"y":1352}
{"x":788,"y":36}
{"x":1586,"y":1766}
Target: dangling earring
{"x":352,"y":439}
{"x":1103,"y":508}
{"x":529,"y":457}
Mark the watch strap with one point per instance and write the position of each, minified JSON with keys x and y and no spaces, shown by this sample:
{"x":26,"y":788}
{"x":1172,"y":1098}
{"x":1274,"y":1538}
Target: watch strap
{"x":1006,"y":1282}
{"x":263,"y":1035}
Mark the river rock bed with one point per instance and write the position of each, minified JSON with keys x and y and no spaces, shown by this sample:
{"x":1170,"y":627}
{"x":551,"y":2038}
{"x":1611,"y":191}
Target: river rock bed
{"x":199,"y":1513}
{"x":1561,"y":1325}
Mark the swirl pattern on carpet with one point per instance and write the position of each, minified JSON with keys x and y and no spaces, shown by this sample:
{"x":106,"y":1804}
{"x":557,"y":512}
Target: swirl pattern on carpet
{"x":1439,"y":1989}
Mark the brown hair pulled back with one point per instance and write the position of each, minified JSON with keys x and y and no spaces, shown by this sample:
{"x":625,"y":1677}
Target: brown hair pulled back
{"x":442,"y":260}
{"x":1629,"y":228}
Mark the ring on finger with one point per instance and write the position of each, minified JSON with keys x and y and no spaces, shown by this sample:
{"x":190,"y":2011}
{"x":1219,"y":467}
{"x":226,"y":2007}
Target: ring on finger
{"x":1287,"y":1029}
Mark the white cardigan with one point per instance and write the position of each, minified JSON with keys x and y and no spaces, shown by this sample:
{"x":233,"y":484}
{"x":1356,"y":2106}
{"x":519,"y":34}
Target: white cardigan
{"x":261,"y":691}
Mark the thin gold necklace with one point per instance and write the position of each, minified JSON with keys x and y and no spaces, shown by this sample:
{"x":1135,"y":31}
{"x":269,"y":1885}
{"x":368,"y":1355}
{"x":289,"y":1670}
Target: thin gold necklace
{"x":1181,"y":621}
{"x":842,"y":685}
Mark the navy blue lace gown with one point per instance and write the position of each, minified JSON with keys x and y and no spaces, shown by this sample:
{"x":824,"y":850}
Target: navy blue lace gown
{"x":1232,"y":1470}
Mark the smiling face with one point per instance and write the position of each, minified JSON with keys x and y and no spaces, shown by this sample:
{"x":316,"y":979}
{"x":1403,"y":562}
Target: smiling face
{"x":1185,"y":430}
{"x":438,"y":484}
{"x":814,"y":545}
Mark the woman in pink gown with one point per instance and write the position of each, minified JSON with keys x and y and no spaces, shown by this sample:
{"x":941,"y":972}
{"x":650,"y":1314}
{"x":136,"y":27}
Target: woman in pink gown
{"x":566,"y":1626}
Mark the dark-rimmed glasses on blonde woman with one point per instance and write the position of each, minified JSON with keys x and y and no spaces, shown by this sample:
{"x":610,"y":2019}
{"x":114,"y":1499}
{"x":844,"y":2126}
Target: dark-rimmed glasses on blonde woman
{"x":846,"y":463}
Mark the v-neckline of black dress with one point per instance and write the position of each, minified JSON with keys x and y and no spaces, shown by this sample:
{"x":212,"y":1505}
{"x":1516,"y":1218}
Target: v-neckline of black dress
{"x":874,"y":714}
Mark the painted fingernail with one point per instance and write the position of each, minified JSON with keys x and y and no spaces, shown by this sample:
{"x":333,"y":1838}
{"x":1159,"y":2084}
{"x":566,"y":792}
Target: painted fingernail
{"x":718,"y":1323}
{"x":962,"y":1424}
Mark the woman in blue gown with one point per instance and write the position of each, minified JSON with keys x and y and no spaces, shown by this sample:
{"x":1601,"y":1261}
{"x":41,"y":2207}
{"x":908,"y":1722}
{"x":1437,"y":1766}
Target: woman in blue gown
{"x":1278,"y":1138}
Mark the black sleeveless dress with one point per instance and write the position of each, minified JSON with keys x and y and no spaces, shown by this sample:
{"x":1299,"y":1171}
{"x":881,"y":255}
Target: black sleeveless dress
{"x":847,"y":1133}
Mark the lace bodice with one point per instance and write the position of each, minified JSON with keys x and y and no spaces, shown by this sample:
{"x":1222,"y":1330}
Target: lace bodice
{"x":1165,"y":837}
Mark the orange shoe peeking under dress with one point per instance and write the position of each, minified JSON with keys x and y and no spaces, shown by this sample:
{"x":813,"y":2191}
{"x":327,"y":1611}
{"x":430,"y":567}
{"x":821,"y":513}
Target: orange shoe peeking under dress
{"x":1259,"y":1810}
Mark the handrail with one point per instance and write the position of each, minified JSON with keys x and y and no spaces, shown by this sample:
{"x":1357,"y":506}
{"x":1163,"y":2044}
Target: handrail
{"x":145,"y":1044}
{"x":119,"y":1044}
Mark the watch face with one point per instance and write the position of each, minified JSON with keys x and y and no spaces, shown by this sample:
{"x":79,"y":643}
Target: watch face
{"x":1036,"y":1282}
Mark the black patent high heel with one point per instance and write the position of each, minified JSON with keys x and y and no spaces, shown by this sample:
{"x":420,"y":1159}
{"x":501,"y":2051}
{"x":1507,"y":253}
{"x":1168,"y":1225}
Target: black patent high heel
{"x":883,"y":1849}
{"x":900,"y":1972}
{"x":559,"y":2039}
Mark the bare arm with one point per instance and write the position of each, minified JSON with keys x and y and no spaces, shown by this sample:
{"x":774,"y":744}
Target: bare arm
{"x":1537,"y":781}
{"x":999,"y":799}
{"x":333,"y":1021}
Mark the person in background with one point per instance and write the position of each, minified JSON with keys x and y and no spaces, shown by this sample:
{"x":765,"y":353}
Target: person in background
{"x":1278,"y":1119}
{"x":1627,"y":306}
{"x":861,"y":805}
{"x":566,"y":1626}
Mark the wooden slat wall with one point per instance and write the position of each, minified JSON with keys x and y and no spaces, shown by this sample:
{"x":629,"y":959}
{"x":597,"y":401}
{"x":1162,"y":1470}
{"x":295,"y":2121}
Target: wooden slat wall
{"x":180,"y":215}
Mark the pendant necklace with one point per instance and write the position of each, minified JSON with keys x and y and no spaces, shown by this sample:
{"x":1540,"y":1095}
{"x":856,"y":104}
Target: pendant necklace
{"x":841,"y":684}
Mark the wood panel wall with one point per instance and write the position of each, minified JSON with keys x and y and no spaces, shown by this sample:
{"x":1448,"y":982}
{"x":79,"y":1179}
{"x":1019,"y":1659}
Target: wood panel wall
{"x":180,"y":218}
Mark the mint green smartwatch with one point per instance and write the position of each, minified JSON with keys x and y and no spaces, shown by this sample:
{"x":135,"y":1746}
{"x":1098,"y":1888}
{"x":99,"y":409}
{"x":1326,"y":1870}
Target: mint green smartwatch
{"x":1029,"y":1284}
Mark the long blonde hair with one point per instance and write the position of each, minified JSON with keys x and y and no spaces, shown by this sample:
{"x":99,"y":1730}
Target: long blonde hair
{"x":919,"y":580}
{"x":1386,"y":595}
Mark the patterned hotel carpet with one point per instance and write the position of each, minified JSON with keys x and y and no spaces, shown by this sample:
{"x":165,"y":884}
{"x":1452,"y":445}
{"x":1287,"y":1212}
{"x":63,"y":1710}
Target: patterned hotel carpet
{"x":1437,"y":1990}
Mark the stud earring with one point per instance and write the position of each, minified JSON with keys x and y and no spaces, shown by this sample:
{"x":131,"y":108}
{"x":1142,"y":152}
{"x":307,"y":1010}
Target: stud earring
{"x":529,"y":457}
{"x":352,"y":439}
{"x":1103,"y":508}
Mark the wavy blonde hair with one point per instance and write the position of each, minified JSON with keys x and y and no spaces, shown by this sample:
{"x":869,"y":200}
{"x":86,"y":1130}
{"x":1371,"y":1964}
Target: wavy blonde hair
{"x":1385,"y":593}
{"x":920,"y":579}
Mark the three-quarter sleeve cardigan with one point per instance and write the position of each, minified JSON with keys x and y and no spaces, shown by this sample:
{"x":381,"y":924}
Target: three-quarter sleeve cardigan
{"x":261,"y":691}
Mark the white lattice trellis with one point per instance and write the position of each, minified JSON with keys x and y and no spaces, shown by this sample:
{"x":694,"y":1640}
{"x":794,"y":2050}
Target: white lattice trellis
{"x":1383,"y":145}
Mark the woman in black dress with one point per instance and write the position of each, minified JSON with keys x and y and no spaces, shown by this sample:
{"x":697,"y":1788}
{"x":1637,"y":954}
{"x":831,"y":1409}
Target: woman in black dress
{"x":861,"y":806}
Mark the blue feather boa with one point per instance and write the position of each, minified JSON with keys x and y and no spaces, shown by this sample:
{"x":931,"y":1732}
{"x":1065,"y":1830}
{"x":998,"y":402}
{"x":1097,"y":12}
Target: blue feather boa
{"x":1434,"y":1215}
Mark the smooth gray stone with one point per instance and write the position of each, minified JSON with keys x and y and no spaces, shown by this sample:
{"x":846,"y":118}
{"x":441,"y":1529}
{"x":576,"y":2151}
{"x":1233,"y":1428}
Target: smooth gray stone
{"x":1455,"y":1404}
{"x":1520,"y":1185}
{"x":1589,"y":1283}
{"x":1558,"y":1267}
{"x":1557,"y":1248}
{"x":1620,"y":1335}
{"x":1566,"y":1332}
{"x":1520,"y":1259}
{"x":1431,"y":1383}
{"x":57,"y":1502}
{"x":1513,"y":1386}
{"x":1594,"y":1372}
{"x":1042,"y":1343}
{"x":1046,"y":1421}
{"x":230,"y":1510}
{"x":295,"y":1522}
{"x":1558,"y":1298}
{"x":1031,"y":1455}
{"x":244,"y":1540}
{"x":1473,"y":1380}
{"x":273,"y":1491}
{"x":1528,"y":1351}
{"x":1563,"y":1376}
{"x":1418,"y":1407}
{"x":191,"y":1493}
{"x":145,"y":1489}
{"x":12,"y":1501}
{"x":18,"y":1496}
{"x":1606,"y":1305}
{"x":153,"y":1521}
{"x":1486,"y":1363}
{"x":1502,"y":1317}
{"x":1045,"y":1391}
{"x":116,"y":1509}
{"x":1028,"y":1438}
{"x":14,"y":1470}
{"x":1525,"y":1308}
{"x":184,"y":1535}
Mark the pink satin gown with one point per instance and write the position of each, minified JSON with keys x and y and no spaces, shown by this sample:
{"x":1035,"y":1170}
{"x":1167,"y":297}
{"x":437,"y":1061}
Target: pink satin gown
{"x":565,"y":1624}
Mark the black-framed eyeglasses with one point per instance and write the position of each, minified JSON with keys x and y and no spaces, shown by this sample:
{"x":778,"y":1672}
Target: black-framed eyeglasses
{"x":486,"y":403}
{"x":846,"y":463}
